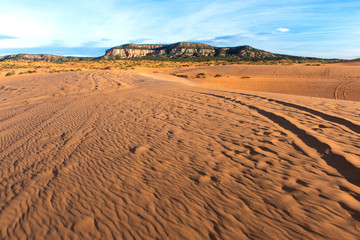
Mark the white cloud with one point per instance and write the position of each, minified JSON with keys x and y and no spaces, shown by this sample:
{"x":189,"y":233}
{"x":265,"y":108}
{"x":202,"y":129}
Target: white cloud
{"x":27,"y":31}
{"x":282,"y":30}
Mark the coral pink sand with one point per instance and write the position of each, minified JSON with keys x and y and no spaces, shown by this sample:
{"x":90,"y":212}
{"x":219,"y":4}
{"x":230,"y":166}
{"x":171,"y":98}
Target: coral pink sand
{"x":118,"y":155}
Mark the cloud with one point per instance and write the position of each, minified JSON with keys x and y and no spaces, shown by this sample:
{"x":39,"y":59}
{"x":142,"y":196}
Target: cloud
{"x":98,"y":43}
{"x":282,"y":30}
{"x":244,"y":38}
{"x":2,"y":37}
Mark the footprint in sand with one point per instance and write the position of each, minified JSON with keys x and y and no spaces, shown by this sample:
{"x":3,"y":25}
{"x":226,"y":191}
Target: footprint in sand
{"x":203,"y":178}
{"x":139,"y":150}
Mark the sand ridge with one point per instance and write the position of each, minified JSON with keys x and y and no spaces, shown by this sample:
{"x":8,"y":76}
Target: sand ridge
{"x":336,"y":81}
{"x":116,"y":155}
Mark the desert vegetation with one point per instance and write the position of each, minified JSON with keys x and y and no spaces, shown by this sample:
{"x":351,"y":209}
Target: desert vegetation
{"x":25,"y":67}
{"x":201,"y":75}
{"x":12,"y":72}
{"x":28,"y":72}
{"x":180,"y":75}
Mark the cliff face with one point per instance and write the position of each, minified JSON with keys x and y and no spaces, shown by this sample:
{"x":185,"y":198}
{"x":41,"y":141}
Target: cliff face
{"x":249,"y":52}
{"x":185,"y":49}
{"x":177,"y":49}
{"x":190,"y":49}
{"x":131,"y":52}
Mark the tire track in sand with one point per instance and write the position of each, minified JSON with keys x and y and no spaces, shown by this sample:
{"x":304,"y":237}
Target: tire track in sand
{"x":345,"y":123}
{"x":337,"y":161}
{"x":44,"y":173}
{"x":342,"y":89}
{"x":346,"y":90}
{"x":34,"y":177}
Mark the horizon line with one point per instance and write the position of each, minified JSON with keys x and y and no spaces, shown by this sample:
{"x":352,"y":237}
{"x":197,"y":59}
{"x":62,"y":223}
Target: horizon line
{"x":107,"y":48}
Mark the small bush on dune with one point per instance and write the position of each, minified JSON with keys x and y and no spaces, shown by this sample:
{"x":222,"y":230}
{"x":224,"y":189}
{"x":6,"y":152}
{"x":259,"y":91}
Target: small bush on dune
{"x":218,"y":75}
{"x":28,"y":72}
{"x":313,"y":64}
{"x":10,"y":73}
{"x":54,"y":71}
{"x":201,"y":75}
{"x":180,"y":75}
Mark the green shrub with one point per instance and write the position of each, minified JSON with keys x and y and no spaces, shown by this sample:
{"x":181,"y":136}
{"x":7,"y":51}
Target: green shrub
{"x":10,"y":73}
{"x":180,"y":75}
{"x":28,"y":72}
{"x":313,"y":64}
{"x":54,"y":70}
{"x":201,"y":75}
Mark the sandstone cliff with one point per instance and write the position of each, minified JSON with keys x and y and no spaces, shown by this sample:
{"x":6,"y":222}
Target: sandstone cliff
{"x":177,"y":49}
{"x":186,"y":49}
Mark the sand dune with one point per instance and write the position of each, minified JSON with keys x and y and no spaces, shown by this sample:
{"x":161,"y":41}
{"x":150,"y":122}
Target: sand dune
{"x":337,"y":81}
{"x":118,"y":155}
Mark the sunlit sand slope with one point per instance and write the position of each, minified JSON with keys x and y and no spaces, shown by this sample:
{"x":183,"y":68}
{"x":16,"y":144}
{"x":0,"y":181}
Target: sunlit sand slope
{"x":336,"y":81}
{"x":112,"y":155}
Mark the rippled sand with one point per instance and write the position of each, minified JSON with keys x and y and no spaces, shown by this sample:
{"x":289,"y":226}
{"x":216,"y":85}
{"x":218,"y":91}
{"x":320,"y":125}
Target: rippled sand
{"x":118,"y":155}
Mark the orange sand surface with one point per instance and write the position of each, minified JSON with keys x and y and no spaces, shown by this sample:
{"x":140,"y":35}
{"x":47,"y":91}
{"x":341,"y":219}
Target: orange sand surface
{"x":123,"y":155}
{"x":337,"y":81}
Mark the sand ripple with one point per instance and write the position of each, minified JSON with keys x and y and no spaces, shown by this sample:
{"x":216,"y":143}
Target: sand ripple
{"x":106,"y":155}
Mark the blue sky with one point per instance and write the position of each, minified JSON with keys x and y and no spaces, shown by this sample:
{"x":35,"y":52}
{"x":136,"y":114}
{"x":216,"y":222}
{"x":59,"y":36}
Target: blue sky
{"x":318,"y":28}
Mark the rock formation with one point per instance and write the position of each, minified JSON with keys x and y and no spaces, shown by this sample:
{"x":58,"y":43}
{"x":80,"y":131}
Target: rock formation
{"x":165,"y":51}
{"x":186,"y":49}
